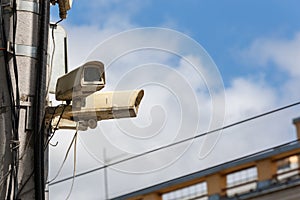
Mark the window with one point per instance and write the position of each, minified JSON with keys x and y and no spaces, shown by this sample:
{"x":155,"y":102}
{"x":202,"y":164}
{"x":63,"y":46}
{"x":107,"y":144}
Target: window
{"x":241,"y":181}
{"x":287,"y":167}
{"x":198,"y":191}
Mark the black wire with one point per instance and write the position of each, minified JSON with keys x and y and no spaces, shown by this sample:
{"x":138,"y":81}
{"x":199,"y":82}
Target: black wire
{"x":25,"y":183}
{"x":56,"y":127}
{"x":32,"y":172}
{"x":9,"y":85}
{"x":53,"y":51}
{"x":4,"y":178}
{"x":6,"y":60}
{"x":39,"y":101}
{"x":74,"y":141}
{"x":182,"y":141}
{"x":45,"y":146}
{"x":14,"y":102}
{"x":235,"y":160}
{"x":17,"y":107}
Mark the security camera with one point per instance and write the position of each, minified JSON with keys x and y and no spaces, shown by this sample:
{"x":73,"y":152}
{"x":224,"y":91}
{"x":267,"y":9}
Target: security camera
{"x":81,"y":86}
{"x":116,"y":104}
{"x":108,"y":105}
{"x":99,"y":106}
{"x":80,"y":82}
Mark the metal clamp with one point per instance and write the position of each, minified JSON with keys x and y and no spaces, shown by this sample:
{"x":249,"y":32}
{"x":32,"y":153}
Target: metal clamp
{"x":29,"y":113}
{"x":22,"y":5}
{"x":30,"y":6}
{"x":22,"y":50}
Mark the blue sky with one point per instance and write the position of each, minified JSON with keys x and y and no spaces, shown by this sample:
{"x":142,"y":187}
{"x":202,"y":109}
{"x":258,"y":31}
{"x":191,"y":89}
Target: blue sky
{"x":221,"y":27}
{"x":255,"y":46}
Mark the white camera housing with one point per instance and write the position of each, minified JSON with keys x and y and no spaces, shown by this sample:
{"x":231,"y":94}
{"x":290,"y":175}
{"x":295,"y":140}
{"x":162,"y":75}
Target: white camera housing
{"x":81,"y":86}
{"x":110,"y":105}
{"x":99,"y":106}
{"x":81,"y":82}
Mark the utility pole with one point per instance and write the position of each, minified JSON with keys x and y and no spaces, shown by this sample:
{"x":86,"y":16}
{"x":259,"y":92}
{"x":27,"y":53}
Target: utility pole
{"x":23,"y":71}
{"x":24,"y":76}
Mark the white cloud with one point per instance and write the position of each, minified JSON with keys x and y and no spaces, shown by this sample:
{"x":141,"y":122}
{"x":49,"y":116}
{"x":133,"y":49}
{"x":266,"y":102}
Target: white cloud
{"x":83,"y":39}
{"x":280,"y":53}
{"x":100,"y":19}
{"x":245,"y":97}
{"x":284,"y":53}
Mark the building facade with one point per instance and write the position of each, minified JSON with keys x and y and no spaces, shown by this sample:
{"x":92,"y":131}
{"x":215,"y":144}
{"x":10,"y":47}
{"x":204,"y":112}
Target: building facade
{"x":270,"y":174}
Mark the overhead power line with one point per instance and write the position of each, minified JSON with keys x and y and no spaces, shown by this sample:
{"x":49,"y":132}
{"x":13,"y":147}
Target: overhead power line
{"x":186,"y":140}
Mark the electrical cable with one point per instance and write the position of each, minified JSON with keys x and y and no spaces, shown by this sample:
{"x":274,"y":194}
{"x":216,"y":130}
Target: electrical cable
{"x":14,"y":93}
{"x":28,"y":143}
{"x":74,"y":164}
{"x":17,"y":100}
{"x":25,"y":183}
{"x":14,"y":102}
{"x":6,"y":60}
{"x":52,"y":54}
{"x":3,"y":179}
{"x":26,"y":147}
{"x":65,"y":159}
{"x":56,"y":127}
{"x":231,"y":161}
{"x":39,"y":100}
{"x":180,"y":142}
{"x":32,"y":173}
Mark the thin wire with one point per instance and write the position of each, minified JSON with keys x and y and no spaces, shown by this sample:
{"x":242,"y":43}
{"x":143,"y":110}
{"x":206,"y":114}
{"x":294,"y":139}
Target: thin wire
{"x":4,"y":178}
{"x":29,"y":140}
{"x":52,"y":56}
{"x":179,"y":142}
{"x":53,"y":145}
{"x":52,"y":116}
{"x":10,"y":91}
{"x":56,"y":127}
{"x":105,"y":175}
{"x":32,"y":172}
{"x":26,"y":147}
{"x":24,"y":152}
{"x":66,"y":156}
{"x":235,"y":160}
{"x":16,"y":113}
{"x":74,"y":164}
{"x":25,"y":183}
{"x":12,"y":101}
